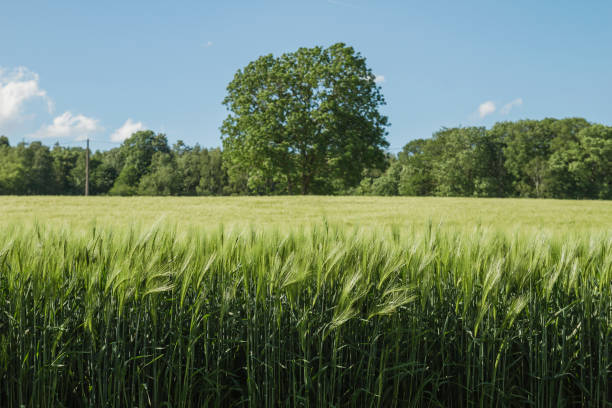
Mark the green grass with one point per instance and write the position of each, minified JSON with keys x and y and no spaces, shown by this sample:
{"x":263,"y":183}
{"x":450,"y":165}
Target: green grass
{"x":508,"y":214}
{"x":335,"y":302}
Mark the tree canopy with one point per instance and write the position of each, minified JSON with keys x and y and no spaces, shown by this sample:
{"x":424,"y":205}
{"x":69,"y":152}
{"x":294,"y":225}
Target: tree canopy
{"x":567,"y":158}
{"x":304,"y":122}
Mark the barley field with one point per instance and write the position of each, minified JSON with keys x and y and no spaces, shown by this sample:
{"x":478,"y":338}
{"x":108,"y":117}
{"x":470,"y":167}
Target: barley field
{"x":305,"y":301}
{"x":527,"y":215}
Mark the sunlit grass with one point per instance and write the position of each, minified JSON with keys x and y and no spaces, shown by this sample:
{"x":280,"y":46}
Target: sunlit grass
{"x":405,"y":212}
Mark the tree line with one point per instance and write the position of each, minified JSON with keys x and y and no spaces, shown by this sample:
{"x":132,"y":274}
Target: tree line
{"x":567,"y":158}
{"x":144,"y":164}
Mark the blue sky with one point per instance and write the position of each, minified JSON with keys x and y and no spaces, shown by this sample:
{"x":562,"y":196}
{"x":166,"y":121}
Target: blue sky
{"x":70,"y":69}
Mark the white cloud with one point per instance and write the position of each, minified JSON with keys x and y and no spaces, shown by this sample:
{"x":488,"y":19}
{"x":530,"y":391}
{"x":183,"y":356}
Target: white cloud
{"x":508,"y":107}
{"x":379,"y":79}
{"x":17,"y":87}
{"x":486,"y":108}
{"x":125,"y":131}
{"x":68,"y":125}
{"x":208,"y":44}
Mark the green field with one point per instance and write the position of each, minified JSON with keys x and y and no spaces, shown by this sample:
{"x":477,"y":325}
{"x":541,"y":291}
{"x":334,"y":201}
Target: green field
{"x":305,"y":301}
{"x":241,"y":212}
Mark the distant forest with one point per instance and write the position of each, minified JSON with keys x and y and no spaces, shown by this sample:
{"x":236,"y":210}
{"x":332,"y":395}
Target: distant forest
{"x":567,"y":158}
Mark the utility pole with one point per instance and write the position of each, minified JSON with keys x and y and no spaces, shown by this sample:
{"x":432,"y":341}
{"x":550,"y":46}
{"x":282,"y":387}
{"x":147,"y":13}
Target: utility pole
{"x":87,"y":169}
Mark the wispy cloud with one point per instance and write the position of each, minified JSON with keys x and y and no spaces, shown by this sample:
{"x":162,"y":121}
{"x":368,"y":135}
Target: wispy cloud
{"x":486,"y":108}
{"x":67,"y":125}
{"x":125,"y":131}
{"x":18,"y":87}
{"x":379,"y":79}
{"x":208,"y":44}
{"x":510,"y":105}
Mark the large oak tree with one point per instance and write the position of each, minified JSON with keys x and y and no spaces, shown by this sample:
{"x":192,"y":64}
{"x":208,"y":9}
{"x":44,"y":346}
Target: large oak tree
{"x":304,"y":122}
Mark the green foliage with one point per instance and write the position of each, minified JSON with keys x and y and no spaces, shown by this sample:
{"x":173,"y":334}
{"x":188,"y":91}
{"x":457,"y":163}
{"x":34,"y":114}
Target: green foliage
{"x":126,"y":182}
{"x":304,"y":122}
{"x":103,"y":175}
{"x":162,"y":177}
{"x":11,"y":170}
{"x":213,"y":176}
{"x":69,"y":169}
{"x":530,"y":145}
{"x":568,"y":158}
{"x":26,"y":169}
{"x":387,"y":183}
{"x":583,"y":168}
{"x":325,"y":316}
{"x":137,"y":152}
{"x":416,"y":174}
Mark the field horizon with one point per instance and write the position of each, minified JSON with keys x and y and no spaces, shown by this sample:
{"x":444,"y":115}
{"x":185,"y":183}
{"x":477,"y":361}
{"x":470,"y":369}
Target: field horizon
{"x":508,"y":214}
